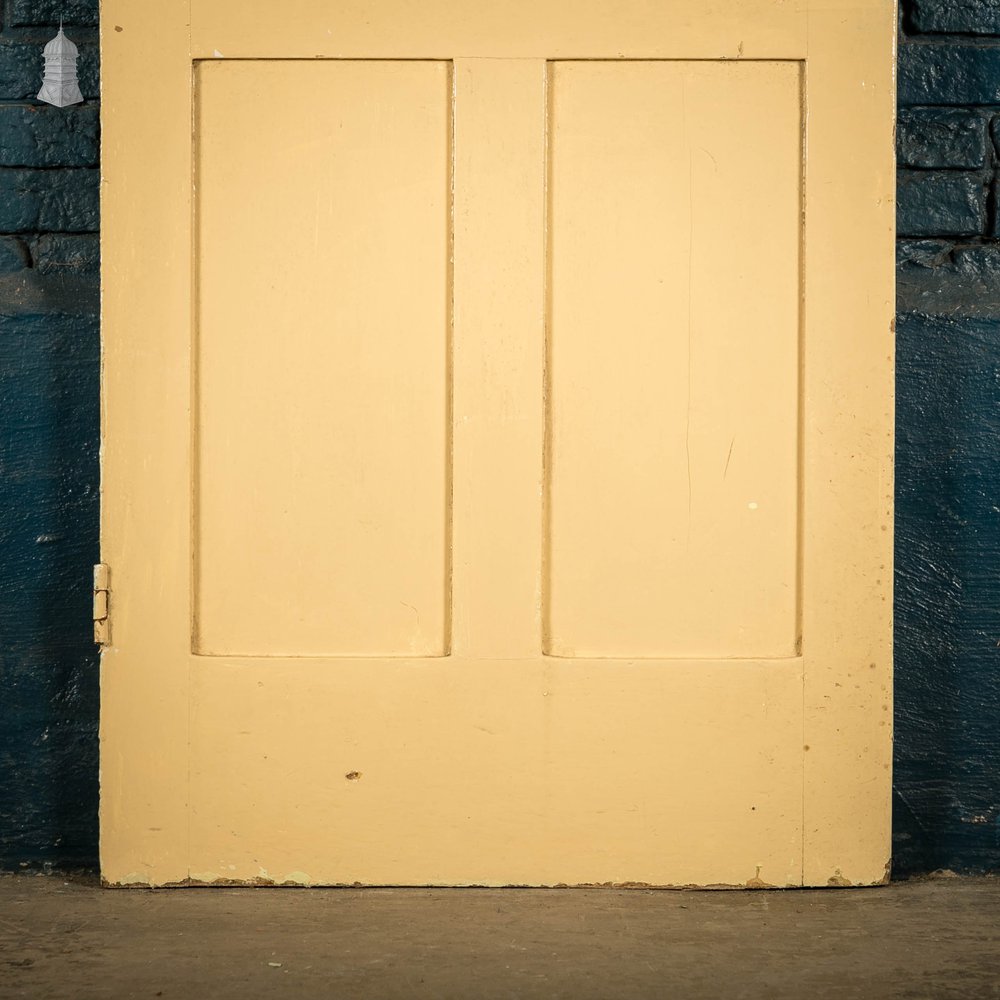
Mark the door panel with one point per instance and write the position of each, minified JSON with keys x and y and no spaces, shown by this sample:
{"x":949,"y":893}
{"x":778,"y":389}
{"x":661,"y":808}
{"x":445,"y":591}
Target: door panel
{"x":496,"y":772}
{"x":497,"y":417}
{"x":323,"y":323}
{"x":673,"y":358}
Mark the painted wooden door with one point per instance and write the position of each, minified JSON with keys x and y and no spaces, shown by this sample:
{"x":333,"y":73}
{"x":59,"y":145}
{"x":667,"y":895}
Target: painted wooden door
{"x":497,"y":442}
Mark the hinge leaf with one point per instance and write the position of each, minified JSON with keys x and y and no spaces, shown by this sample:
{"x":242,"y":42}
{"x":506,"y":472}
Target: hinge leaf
{"x":102,"y":604}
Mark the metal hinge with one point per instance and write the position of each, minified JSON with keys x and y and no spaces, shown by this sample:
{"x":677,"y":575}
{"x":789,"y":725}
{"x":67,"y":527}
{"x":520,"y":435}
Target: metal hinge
{"x":102,"y":604}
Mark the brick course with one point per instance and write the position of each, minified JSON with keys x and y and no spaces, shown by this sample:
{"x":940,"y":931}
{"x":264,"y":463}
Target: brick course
{"x":963,"y":17}
{"x":21,"y":62}
{"x":49,"y":12}
{"x":942,"y":137}
{"x":941,"y":203}
{"x":43,"y":136}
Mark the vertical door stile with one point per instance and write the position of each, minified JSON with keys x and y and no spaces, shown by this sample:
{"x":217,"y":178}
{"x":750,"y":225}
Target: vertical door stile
{"x":145,"y":463}
{"x":498,"y":345}
{"x":848,"y":426}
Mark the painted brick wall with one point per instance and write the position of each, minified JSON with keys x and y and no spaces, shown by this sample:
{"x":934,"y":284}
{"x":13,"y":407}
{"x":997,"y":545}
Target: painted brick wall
{"x":49,"y":357}
{"x":947,"y":774}
{"x":947,"y":804}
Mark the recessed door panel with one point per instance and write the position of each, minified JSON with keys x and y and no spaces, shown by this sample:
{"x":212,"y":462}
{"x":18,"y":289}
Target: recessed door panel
{"x":321,"y":358}
{"x":673,"y":359}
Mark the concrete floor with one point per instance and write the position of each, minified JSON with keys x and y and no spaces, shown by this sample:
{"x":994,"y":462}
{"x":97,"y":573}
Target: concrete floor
{"x":915,"y":940}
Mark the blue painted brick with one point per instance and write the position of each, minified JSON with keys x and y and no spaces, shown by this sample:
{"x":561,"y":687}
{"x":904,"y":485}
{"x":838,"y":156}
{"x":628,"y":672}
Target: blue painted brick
{"x":947,"y":759}
{"x":949,"y":73}
{"x":940,"y":137}
{"x":49,"y":200}
{"x":21,"y":69}
{"x":65,"y":253}
{"x":948,"y":203}
{"x":13,"y":254}
{"x":940,"y":278}
{"x":965,"y":17}
{"x":49,"y":442}
{"x":48,"y":813}
{"x":24,"y":13}
{"x":38,"y":135}
{"x":49,"y":445}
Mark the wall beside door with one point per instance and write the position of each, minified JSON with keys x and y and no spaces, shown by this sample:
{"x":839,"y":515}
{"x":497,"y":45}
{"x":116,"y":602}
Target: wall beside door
{"x":947,"y":770}
{"x":49,"y":368}
{"x":947,"y":801}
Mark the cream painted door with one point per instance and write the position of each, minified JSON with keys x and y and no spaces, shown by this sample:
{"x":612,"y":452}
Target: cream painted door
{"x":497,"y":442}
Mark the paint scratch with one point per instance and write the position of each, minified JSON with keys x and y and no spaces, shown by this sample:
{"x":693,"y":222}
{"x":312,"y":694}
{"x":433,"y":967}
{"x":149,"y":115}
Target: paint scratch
{"x":729,"y":457}
{"x":690,"y":292}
